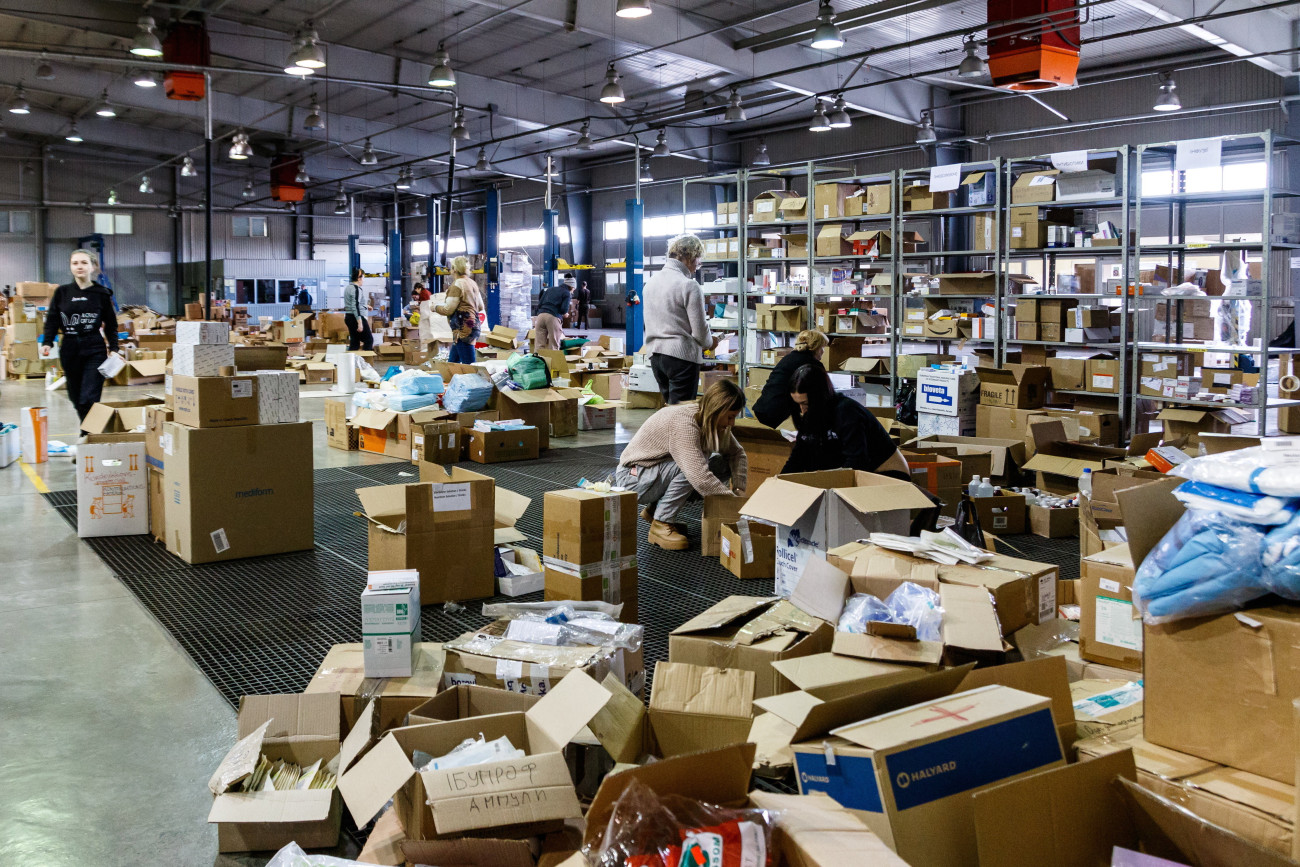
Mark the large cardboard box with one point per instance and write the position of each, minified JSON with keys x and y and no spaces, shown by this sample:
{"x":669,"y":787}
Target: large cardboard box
{"x":215,"y":401}
{"x":766,"y":206}
{"x":343,"y":671}
{"x":1068,"y":374}
{"x":157,"y":505}
{"x":500,"y":446}
{"x":269,"y":357}
{"x":781,"y":317}
{"x":832,"y":240}
{"x":912,"y":774}
{"x":999,"y":459}
{"x":112,"y":489}
{"x":391,"y":433}
{"x":829,"y":200}
{"x":441,"y":526}
{"x":1018,"y":386}
{"x":203,"y":333}
{"x":538,"y":407}
{"x":239,"y":492}
{"x":510,"y":797}
{"x":1191,"y":422}
{"x":1001,"y":515}
{"x":589,"y":543}
{"x":815,"y":512}
{"x":1036,"y":186}
{"x":338,"y":433}
{"x":766,"y":451}
{"x":464,"y":701}
{"x":695,"y":707}
{"x":750,"y":633}
{"x":301,"y":729}
{"x":948,"y":391}
{"x":1110,"y":630}
{"x":1103,"y":375}
{"x":202,"y":359}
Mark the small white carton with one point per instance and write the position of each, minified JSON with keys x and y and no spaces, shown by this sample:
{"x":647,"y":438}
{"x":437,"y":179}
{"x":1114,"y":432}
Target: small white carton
{"x":201,"y":359}
{"x":390,"y":622}
{"x":277,"y":396}
{"x":191,"y":333}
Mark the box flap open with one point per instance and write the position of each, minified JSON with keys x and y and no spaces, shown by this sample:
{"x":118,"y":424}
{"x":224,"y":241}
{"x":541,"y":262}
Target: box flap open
{"x":699,"y":689}
{"x":781,"y":502}
{"x":569,"y":706}
{"x":373,"y":419}
{"x":727,"y":612}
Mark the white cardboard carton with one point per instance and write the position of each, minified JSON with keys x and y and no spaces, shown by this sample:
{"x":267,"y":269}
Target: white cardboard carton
{"x":277,"y":396}
{"x":190,"y":333}
{"x":390,"y":622}
{"x":201,"y":359}
{"x":112,"y":489}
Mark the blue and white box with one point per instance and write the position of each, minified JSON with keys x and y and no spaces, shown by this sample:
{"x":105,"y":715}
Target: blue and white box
{"x":947,"y":390}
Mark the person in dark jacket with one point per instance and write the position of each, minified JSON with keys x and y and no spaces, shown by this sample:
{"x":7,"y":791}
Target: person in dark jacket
{"x":836,"y":431}
{"x":552,"y":306}
{"x":774,"y":405}
{"x":583,"y":297}
{"x":83,"y":311}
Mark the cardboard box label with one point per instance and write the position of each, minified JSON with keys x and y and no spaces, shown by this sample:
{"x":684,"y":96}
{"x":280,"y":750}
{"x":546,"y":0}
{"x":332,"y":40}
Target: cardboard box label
{"x":219,"y":540}
{"x":1103,"y":380}
{"x":1047,"y":596}
{"x":452,"y":498}
{"x":1116,"y":625}
{"x":849,"y":780}
{"x":1041,"y":180}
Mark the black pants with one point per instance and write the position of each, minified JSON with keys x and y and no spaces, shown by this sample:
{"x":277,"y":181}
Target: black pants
{"x":582,"y":317}
{"x":359,"y":334}
{"x":84,"y":381}
{"x":678,"y":380}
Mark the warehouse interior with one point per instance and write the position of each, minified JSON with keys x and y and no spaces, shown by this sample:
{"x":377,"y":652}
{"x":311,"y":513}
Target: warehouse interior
{"x":1048,"y":250}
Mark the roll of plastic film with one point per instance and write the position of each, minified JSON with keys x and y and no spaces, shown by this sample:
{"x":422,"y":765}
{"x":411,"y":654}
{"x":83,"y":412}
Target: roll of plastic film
{"x":1290,"y":382}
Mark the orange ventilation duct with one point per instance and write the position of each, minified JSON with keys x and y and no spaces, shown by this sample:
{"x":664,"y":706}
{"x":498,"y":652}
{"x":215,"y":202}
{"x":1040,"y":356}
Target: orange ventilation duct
{"x":186,"y":43}
{"x":284,"y":178}
{"x":1037,"y":54}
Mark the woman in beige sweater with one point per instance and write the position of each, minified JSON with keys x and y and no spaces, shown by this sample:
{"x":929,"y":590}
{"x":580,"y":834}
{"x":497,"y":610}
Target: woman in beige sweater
{"x":684,"y":452}
{"x":463,"y":309}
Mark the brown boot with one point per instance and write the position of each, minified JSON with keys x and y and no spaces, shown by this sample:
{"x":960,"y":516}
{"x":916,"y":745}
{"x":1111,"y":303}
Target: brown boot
{"x":647,"y":514}
{"x":666,"y":537}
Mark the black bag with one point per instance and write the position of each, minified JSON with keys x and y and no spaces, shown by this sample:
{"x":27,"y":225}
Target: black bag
{"x":968,"y":523}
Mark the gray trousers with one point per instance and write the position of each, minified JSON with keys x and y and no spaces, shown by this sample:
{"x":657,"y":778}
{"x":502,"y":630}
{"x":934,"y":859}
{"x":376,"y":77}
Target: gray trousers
{"x":663,"y":487}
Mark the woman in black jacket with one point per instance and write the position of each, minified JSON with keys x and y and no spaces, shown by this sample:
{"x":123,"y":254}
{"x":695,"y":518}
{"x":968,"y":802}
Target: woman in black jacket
{"x":80,"y":310}
{"x":836,"y":431}
{"x":774,"y":406}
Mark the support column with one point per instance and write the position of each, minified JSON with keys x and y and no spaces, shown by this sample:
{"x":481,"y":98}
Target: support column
{"x":492,"y":250}
{"x":635,"y":256}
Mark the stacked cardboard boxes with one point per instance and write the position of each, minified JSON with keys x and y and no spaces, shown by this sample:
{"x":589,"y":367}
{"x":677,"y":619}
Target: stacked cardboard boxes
{"x":24,"y":321}
{"x":589,"y":542}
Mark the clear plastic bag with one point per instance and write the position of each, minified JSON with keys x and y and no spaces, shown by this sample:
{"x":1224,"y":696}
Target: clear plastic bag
{"x":1272,"y":468}
{"x":1251,"y":508}
{"x":293,"y":856}
{"x":861,"y":609}
{"x":645,"y":830}
{"x":1282,"y":560}
{"x":909,"y":604}
{"x":467,"y":392}
{"x":1208,"y":563}
{"x":471,"y":751}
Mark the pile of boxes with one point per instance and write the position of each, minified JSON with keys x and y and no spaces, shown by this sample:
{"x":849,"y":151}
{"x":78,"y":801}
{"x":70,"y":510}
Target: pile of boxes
{"x":24,"y":322}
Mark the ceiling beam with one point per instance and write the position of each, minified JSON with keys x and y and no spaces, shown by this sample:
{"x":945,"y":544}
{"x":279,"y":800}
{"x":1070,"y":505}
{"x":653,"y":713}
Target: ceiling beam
{"x":1251,"y":32}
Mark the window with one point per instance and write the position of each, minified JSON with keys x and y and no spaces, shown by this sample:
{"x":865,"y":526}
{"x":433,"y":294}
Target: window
{"x":455,"y":247}
{"x":530,"y":237}
{"x":1233,"y":177}
{"x":16,"y":222}
{"x":265,"y":291}
{"x":661,"y":227}
{"x":248,"y":227}
{"x":288,"y":290}
{"x":113,"y":224}
{"x":244,"y":292}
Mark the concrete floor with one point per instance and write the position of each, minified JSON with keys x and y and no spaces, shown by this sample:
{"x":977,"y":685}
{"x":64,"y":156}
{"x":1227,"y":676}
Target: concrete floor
{"x":111,"y":731}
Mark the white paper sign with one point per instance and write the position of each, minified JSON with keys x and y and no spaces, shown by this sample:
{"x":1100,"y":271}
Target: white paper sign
{"x":1116,"y":626}
{"x":1070,"y":161}
{"x":241,"y":388}
{"x":945,"y":178}
{"x":451,"y":498}
{"x":1198,"y":154}
{"x":1042,"y":180}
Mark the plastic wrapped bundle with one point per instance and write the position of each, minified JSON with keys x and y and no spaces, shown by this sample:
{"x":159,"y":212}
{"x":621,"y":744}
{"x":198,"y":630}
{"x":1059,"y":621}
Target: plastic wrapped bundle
{"x":399,"y":402}
{"x":909,"y":605}
{"x":419,"y":382}
{"x":1282,"y":559}
{"x":1272,"y":469}
{"x":467,"y":392}
{"x":1208,"y":563}
{"x":861,"y":609}
{"x":1251,"y":508}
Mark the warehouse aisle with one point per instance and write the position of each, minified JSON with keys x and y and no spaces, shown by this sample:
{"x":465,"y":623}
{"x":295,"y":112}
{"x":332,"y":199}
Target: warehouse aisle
{"x":112,"y":729}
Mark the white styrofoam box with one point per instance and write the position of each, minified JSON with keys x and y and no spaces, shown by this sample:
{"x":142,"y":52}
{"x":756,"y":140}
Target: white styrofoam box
{"x":641,"y":378}
{"x":210,"y":333}
{"x":518,"y":585}
{"x":931,"y":424}
{"x":946,"y":391}
{"x":277,"y":396}
{"x":112,"y":489}
{"x":390,"y":622}
{"x":201,"y":359}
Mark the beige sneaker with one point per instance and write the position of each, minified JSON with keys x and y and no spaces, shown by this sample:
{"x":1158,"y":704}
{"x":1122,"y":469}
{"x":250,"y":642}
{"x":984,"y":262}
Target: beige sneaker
{"x":666,"y":537}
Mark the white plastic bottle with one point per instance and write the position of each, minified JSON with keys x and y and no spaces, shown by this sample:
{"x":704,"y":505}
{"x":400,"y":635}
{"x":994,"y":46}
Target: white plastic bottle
{"x":986,"y":489}
{"x":1085,"y":483}
{"x":973,"y":487}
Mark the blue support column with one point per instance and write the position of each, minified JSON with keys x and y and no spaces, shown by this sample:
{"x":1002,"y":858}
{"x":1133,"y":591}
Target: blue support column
{"x":394,"y":272}
{"x":635,"y":257}
{"x":492,"y":249}
{"x":550,"y":246}
{"x":354,"y":255}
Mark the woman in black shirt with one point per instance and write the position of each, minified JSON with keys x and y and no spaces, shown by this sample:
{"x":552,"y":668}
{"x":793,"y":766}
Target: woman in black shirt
{"x":836,"y":431}
{"x":774,"y":406}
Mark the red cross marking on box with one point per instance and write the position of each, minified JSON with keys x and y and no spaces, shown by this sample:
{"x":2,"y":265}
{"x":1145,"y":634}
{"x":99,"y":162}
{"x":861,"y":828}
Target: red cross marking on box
{"x":944,"y":713}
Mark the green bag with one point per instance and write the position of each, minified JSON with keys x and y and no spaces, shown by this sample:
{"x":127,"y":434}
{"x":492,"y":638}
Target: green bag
{"x":529,"y":371}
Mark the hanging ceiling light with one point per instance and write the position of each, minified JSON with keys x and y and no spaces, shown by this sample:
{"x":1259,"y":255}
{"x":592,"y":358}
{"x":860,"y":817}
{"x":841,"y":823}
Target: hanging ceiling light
{"x":112,"y":197}
{"x":459,"y":131}
{"x":314,"y":121}
{"x":819,"y":121}
{"x":416,"y":210}
{"x":735,"y":111}
{"x":367,"y":214}
{"x":309,"y":55}
{"x":341,"y":202}
{"x":972,"y":65}
{"x":661,"y":145}
{"x":925,"y":130}
{"x":187,"y":167}
{"x":292,"y":66}
{"x":104,"y":109}
{"x":146,"y":185}
{"x":612,"y":92}
{"x":760,"y":156}
{"x":44,"y":71}
{"x":18,"y":102}
{"x":368,"y":157}
{"x":441,"y":74}
{"x":482,"y":165}
{"x":145,"y":43}
{"x":552,"y":167}
{"x":584,"y":138}
{"x":633,"y":8}
{"x":144,"y":78}
{"x":827,"y":36}
{"x":839,"y":117}
{"x":1168,"y":99}
{"x":248,"y":192}
{"x":240,"y":149}
{"x":302,"y":177}
{"x":646,"y":177}
{"x":73,"y":135}
{"x":405,"y":178}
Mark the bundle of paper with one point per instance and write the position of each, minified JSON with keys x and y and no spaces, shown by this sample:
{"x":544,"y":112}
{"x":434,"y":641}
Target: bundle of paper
{"x":283,"y":776}
{"x":944,"y":547}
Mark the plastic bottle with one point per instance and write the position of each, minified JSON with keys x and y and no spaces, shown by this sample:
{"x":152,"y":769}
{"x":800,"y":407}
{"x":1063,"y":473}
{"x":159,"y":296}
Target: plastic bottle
{"x":1030,"y":499}
{"x":986,"y":489}
{"x":973,"y":487}
{"x":1085,"y":483}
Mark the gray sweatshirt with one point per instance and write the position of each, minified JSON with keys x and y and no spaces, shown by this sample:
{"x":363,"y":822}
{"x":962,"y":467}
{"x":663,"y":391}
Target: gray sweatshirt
{"x":675,"y":322}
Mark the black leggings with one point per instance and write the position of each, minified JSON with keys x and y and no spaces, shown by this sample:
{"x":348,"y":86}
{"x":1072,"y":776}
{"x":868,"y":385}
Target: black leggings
{"x":84,"y":381}
{"x":359,"y":334}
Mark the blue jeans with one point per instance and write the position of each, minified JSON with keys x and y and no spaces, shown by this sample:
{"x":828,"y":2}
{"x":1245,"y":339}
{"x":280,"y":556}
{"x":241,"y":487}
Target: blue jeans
{"x":462,"y":352}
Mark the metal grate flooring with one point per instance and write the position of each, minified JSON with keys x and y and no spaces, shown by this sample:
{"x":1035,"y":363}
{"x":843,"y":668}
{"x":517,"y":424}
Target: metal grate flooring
{"x":263,"y":625}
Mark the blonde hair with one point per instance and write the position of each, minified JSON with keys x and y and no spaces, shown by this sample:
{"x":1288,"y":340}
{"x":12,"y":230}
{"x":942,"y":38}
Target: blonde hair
{"x":94,"y":260}
{"x":723,"y":396}
{"x":685,"y":247}
{"x":460,"y":265}
{"x":810,"y":341}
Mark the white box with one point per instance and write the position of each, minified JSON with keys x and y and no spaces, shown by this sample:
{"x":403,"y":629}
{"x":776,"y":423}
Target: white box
{"x":946,"y":391}
{"x":190,"y":333}
{"x":931,"y":424}
{"x":277,"y":396}
{"x":597,"y":416}
{"x":201,"y":359}
{"x":641,"y":378}
{"x":34,"y":432}
{"x":390,"y":622}
{"x":10,"y":444}
{"x":112,"y":489}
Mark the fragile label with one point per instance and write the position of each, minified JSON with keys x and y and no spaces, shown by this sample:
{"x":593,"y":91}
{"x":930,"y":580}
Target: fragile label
{"x":451,"y":498}
{"x":219,"y":541}
{"x":1116,"y":626}
{"x":241,"y":388}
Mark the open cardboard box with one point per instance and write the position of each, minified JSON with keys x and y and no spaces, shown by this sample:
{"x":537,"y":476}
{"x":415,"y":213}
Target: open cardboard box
{"x":117,"y":416}
{"x":1059,"y":462}
{"x":295,"y":728}
{"x":514,"y":796}
{"x":391,"y":433}
{"x":1020,"y":386}
{"x":343,"y":671}
{"x":697,"y":707}
{"x":1005,"y":455}
{"x":466,"y":700}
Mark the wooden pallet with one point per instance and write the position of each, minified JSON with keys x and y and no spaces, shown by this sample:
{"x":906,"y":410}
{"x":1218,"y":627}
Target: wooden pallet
{"x":23,"y":376}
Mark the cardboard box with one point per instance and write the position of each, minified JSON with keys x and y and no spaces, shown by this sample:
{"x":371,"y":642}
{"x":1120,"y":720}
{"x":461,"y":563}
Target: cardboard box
{"x":391,"y":433}
{"x":829,"y":200}
{"x":500,"y":446}
{"x":695,"y":708}
{"x":1053,"y":523}
{"x":215,"y":401}
{"x":1036,"y":186}
{"x":781,"y":317}
{"x":1001,"y":515}
{"x":1110,"y":630}
{"x":751,"y":633}
{"x":465,"y":701}
{"x":277,"y":397}
{"x":338,"y":433}
{"x":980,"y":189}
{"x":112,"y":489}
{"x":995,"y":458}
{"x":749,"y":554}
{"x":513,"y":794}
{"x":984,"y":235}
{"x":121,"y":416}
{"x":209,"y":333}
{"x":589,"y":543}
{"x":718,"y":509}
{"x":343,"y":671}
{"x":919,"y":198}
{"x":501,"y":337}
{"x":876,"y":199}
{"x":238,"y":492}
{"x":1068,"y":373}
{"x":302,"y":729}
{"x":1018,"y":386}
{"x":202,"y":359}
{"x":390,"y":623}
{"x":766,"y":451}
{"x":765,"y":206}
{"x":269,"y":357}
{"x":502,"y":656}
{"x":157,"y":505}
{"x":1103,"y":375}
{"x":948,"y":391}
{"x":815,"y":512}
{"x":538,"y":407}
{"x":967,"y":283}
{"x":1190,"y":423}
